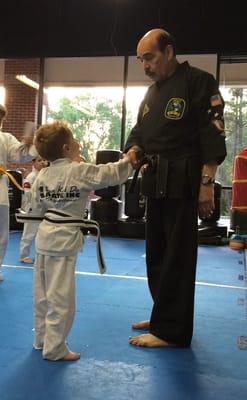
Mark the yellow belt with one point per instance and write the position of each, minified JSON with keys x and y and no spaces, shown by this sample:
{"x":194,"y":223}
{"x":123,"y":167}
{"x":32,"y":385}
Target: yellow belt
{"x":3,"y":171}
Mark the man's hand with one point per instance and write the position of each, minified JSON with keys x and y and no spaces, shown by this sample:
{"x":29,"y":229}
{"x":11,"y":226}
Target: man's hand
{"x":206,"y":201}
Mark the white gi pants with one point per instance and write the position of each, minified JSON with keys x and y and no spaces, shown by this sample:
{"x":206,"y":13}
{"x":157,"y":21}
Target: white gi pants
{"x":4,"y":231}
{"x":54,"y":303}
{"x":28,"y":235}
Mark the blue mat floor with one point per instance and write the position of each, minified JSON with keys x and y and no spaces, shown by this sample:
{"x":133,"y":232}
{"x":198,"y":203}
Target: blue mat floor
{"x":214,"y":368}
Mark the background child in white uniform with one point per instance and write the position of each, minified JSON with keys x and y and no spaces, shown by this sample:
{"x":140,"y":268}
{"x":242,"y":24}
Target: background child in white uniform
{"x":29,"y":228}
{"x":11,"y":150}
{"x":63,"y":187}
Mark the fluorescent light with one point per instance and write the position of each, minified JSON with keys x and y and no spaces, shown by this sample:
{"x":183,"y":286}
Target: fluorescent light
{"x":27,"y":81}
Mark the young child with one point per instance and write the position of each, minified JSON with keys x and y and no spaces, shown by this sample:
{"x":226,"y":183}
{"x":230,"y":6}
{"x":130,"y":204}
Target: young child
{"x":62,"y":189}
{"x":29,"y":228}
{"x":11,"y":150}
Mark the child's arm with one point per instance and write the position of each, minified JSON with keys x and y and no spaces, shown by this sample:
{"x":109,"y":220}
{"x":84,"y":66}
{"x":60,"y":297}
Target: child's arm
{"x":91,"y":176}
{"x":20,"y":151}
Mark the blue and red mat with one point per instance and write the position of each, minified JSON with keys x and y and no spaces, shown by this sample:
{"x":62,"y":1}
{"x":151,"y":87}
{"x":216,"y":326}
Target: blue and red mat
{"x":214,"y":368}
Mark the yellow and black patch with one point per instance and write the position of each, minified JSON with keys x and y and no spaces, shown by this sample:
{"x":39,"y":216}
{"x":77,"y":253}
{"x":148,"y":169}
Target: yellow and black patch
{"x":175,"y":108}
{"x":145,"y":110}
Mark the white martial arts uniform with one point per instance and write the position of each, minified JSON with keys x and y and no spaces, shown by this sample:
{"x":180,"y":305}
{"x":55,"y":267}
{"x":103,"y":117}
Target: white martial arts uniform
{"x":63,"y":186}
{"x":29,"y":228}
{"x":11,"y":150}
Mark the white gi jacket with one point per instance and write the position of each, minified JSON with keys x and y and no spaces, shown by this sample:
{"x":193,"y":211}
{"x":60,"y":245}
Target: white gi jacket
{"x":65,"y":186}
{"x":27,"y":184}
{"x":29,"y":179}
{"x":11,"y":150}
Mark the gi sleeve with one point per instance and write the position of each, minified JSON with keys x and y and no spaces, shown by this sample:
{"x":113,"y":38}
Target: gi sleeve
{"x":26,"y":195}
{"x":135,"y":137}
{"x":27,"y":184}
{"x":211,"y":120}
{"x":90,"y":176}
{"x":33,"y":204}
{"x":19,"y":152}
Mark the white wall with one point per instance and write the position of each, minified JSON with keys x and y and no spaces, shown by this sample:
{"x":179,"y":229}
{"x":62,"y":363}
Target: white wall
{"x":233,"y":74}
{"x":207,"y":62}
{"x":84,"y":71}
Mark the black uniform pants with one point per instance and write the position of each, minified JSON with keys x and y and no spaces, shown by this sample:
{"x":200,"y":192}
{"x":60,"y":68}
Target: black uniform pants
{"x":171,"y":256}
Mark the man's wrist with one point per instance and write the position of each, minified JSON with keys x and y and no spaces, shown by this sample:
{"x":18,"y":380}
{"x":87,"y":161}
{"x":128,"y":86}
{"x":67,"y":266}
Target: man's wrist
{"x":136,"y":148}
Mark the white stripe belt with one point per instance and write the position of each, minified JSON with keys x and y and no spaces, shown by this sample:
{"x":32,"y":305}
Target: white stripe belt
{"x":59,"y":217}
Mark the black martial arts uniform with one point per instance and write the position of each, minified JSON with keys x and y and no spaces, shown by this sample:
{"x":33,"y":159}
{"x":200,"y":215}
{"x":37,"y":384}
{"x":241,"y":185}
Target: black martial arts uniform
{"x":181,"y":119}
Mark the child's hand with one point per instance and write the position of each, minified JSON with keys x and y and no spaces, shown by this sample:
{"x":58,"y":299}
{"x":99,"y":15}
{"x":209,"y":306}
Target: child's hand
{"x":27,"y":140}
{"x":133,"y":156}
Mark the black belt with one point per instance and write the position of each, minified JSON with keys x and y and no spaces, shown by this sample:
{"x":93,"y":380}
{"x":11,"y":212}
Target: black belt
{"x":59,"y":217}
{"x":154,"y":177}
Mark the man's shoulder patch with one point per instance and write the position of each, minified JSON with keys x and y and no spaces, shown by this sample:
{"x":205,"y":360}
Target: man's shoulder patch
{"x":215,"y":100}
{"x":27,"y":185}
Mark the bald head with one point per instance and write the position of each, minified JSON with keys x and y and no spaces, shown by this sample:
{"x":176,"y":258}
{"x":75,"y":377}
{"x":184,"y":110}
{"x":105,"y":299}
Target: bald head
{"x":154,"y":33}
{"x":156,"y":51}
{"x":160,"y":37}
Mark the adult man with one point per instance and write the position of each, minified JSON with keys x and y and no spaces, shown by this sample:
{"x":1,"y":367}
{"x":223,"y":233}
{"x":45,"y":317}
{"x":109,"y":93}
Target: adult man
{"x":180,"y":125}
{"x":11,"y":150}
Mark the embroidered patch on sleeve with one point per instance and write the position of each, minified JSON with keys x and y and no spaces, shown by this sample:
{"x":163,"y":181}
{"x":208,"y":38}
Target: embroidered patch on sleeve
{"x":175,"y":108}
{"x":215,"y":100}
{"x":27,"y":185}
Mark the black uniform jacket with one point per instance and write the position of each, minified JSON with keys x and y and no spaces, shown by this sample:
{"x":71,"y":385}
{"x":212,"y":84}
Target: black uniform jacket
{"x":181,"y":118}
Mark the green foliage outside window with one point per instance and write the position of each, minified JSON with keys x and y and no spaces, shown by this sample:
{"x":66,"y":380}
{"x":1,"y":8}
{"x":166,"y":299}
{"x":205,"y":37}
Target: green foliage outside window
{"x":96,"y":123}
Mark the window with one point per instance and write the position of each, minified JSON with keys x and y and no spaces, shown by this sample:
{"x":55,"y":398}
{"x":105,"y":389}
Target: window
{"x":94,"y":114}
{"x":233,"y":86}
{"x":134,"y":97}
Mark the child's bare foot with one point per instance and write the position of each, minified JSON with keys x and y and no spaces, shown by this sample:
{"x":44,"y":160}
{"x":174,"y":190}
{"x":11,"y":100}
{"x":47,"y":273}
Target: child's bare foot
{"x":148,"y":340}
{"x":142,"y":325}
{"x":37,"y":347}
{"x":71,"y":356}
{"x":27,"y":260}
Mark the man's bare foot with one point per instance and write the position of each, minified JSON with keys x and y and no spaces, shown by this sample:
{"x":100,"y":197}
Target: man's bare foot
{"x":71,"y":356}
{"x":142,"y":325}
{"x":148,"y":340}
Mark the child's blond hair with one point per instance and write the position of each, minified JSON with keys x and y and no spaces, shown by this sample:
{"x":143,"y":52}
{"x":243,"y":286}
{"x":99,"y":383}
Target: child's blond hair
{"x":50,"y":139}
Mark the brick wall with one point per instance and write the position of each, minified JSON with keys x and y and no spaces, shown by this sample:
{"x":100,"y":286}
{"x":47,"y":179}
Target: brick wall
{"x":21,"y":100}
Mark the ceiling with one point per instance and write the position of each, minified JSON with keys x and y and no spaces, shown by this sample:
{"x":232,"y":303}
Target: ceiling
{"x":70,"y":28}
